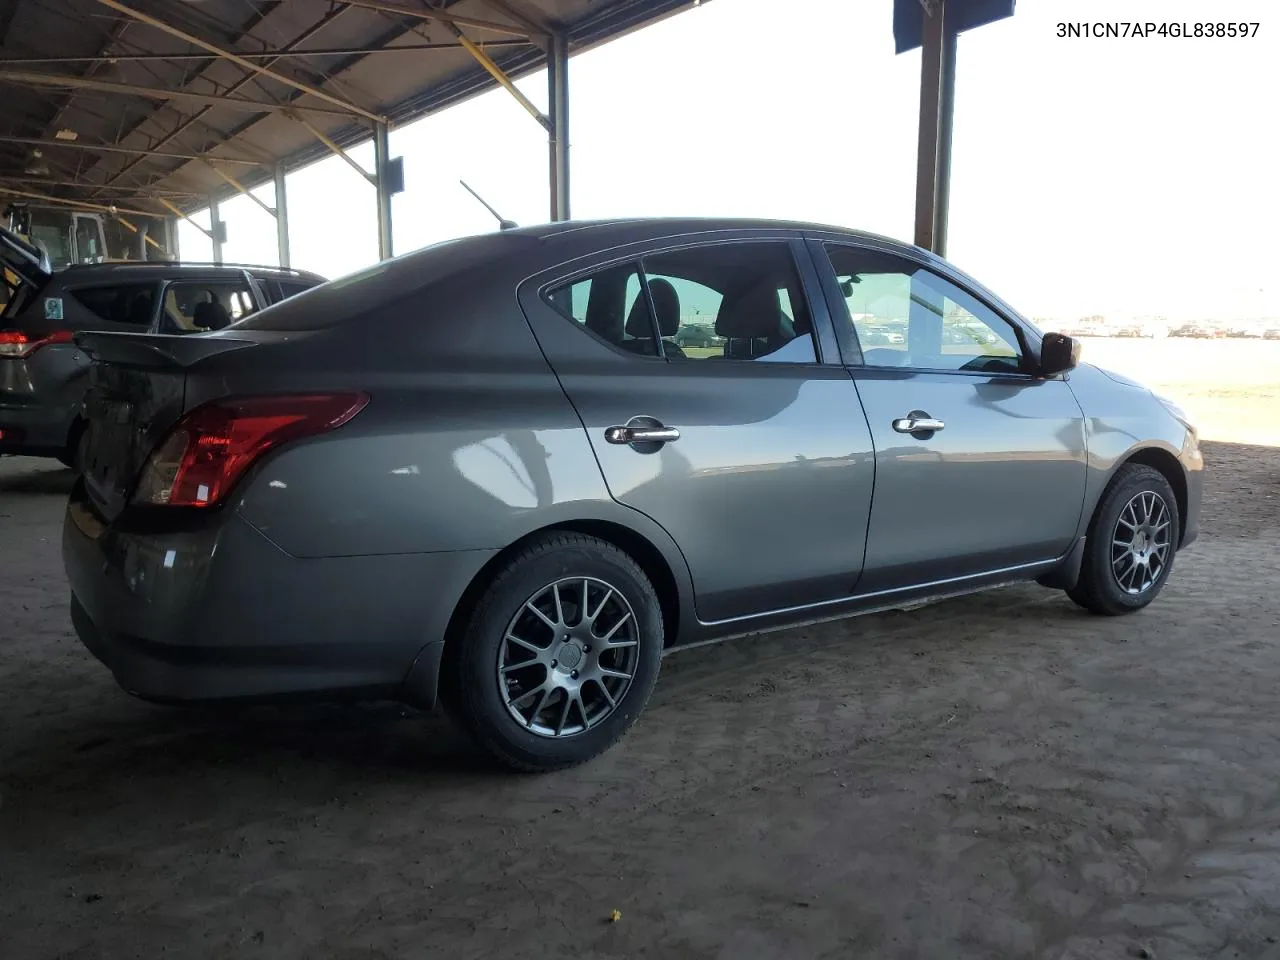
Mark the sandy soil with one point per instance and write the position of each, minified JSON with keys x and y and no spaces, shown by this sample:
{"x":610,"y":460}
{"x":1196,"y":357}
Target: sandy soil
{"x":999,"y":776}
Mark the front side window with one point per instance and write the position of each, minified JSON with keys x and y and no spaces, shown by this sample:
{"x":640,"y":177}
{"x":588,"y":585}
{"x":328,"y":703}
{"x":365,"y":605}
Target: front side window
{"x":191,"y":306}
{"x":128,"y":304}
{"x":904,"y":315}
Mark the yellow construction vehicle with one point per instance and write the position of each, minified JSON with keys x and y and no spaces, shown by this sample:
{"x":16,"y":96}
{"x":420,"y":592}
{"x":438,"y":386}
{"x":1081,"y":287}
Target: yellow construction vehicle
{"x":74,"y":236}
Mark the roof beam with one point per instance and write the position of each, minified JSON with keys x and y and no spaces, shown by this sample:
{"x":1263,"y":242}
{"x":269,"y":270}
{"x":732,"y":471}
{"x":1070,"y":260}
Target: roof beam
{"x":177,"y":212}
{"x":79,"y":204}
{"x":338,"y":151}
{"x":297,"y":41}
{"x":500,"y":76}
{"x":111,"y":148}
{"x":239,"y":60}
{"x":240,"y":188}
{"x":427,"y":13}
{"x":135,"y":193}
{"x":31,"y":78}
{"x":285,"y":54}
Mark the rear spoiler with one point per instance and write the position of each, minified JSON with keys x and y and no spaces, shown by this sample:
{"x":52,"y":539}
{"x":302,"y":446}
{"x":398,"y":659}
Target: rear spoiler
{"x":156,"y":351}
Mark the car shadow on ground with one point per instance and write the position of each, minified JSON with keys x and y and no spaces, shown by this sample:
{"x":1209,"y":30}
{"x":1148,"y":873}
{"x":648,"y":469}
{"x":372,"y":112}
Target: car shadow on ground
{"x":108,"y":744}
{"x":36,"y":481}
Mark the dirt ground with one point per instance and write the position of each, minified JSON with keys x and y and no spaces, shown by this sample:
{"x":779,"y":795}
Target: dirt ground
{"x":998,"y":776}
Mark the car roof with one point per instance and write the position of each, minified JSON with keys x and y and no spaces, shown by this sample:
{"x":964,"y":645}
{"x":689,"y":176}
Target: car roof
{"x":138,"y":270}
{"x":627,"y":229}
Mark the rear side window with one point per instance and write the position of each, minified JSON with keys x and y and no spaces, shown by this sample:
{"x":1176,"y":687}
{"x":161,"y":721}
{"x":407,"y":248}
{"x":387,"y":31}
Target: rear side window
{"x":127,"y":304}
{"x":728,"y":301}
{"x":731,"y":301}
{"x":608,"y":305}
{"x":192,"y":306}
{"x":288,"y":289}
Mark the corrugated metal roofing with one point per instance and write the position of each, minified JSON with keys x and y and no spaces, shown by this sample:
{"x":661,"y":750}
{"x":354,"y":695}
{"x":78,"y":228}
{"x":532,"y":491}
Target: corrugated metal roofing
{"x":142,"y":103}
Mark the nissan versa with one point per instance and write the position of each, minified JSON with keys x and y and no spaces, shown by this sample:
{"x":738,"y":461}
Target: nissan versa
{"x":494,"y":473}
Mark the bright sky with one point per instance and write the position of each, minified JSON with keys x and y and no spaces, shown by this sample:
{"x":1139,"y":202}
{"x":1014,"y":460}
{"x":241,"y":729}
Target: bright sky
{"x":1089,"y":175}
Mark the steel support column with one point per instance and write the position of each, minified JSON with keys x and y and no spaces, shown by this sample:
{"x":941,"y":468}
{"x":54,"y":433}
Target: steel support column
{"x":937,"y":107}
{"x":381,"y":158}
{"x":558,"y":142}
{"x":215,"y":229}
{"x":282,"y":219}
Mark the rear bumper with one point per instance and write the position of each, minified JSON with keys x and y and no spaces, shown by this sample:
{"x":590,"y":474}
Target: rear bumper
{"x":218,"y":612}
{"x":34,"y":429}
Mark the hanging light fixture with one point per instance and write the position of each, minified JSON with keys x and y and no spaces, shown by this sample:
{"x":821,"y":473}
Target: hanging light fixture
{"x":37,"y":167}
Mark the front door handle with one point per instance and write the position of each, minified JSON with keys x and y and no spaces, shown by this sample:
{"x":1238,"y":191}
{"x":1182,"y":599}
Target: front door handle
{"x":625,"y":435}
{"x":916,"y":422}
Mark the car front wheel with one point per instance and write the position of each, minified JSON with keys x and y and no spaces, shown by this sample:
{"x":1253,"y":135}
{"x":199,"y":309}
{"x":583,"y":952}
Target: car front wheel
{"x":1131,"y":543}
{"x":560,"y":654}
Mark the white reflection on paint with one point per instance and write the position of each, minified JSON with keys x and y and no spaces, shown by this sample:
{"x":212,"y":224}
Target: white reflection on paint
{"x":496,"y":468}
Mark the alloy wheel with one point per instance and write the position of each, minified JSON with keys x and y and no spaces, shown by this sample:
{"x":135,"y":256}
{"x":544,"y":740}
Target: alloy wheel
{"x":568,"y":657}
{"x":1141,"y":542}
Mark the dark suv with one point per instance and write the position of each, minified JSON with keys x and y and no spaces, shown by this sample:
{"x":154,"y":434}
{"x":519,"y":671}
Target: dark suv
{"x":43,"y":373}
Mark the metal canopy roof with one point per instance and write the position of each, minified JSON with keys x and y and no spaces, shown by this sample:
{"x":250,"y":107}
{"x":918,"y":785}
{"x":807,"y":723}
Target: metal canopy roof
{"x":149,"y":102}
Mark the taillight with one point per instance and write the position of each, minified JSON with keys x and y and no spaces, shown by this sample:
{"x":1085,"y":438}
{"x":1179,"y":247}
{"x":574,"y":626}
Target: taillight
{"x":15,"y":343}
{"x":211,"y":447}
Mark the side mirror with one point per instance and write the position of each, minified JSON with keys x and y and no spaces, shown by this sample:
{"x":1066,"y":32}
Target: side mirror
{"x":1058,"y":354}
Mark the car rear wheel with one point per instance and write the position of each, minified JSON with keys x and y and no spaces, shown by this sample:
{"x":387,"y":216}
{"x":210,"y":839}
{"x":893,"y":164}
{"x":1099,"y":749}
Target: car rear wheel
{"x":1131,"y":543}
{"x":560,"y":654}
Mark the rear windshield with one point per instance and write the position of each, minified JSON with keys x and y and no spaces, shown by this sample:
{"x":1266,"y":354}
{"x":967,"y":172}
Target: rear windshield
{"x":349,"y":297}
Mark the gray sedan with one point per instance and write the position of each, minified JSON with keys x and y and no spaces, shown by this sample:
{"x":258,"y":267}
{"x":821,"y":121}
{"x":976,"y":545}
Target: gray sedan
{"x":489,"y":473}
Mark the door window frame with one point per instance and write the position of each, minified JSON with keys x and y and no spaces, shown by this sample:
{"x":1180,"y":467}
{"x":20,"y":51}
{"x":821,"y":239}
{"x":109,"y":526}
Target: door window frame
{"x":238,"y":277}
{"x":826,"y":348}
{"x":1028,"y":337}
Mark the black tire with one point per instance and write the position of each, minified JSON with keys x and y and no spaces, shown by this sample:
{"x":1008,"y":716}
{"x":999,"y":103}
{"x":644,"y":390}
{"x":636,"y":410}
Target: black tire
{"x":1098,"y":589}
{"x":479,"y":699}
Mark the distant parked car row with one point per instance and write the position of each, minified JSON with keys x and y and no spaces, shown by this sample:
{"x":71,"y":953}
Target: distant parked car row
{"x":44,"y":374}
{"x":1197,"y":331}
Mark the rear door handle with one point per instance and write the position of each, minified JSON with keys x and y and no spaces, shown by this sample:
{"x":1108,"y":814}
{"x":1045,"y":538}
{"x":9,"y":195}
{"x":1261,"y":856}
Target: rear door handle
{"x":625,"y":435}
{"x":916,"y":423}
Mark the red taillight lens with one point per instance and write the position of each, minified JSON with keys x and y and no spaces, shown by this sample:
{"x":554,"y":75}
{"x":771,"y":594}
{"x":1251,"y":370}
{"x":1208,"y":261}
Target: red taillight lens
{"x":15,"y":343}
{"x":210,"y":448}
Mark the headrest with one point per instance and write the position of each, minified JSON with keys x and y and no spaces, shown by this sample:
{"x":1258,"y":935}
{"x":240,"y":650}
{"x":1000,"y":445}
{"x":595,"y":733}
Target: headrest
{"x":210,"y":316}
{"x":753,"y":313}
{"x":140,"y":309}
{"x":666,"y":303}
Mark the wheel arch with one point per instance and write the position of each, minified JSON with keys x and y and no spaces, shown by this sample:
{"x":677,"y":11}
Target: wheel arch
{"x":1167,"y":465}
{"x":673,"y":594}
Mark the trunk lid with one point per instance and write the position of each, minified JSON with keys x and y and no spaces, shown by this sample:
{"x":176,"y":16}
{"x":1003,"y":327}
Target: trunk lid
{"x":137,"y":391}
{"x":24,"y":270}
{"x":24,"y":259}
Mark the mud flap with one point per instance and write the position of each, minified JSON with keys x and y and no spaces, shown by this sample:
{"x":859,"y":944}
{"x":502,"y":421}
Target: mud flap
{"x":1067,"y":574}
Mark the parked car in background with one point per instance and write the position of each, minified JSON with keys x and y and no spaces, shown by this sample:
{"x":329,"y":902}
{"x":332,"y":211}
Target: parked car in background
{"x":695,"y":335}
{"x":1131,"y":330}
{"x":879,"y":334}
{"x":486,"y":473}
{"x":43,"y":373}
